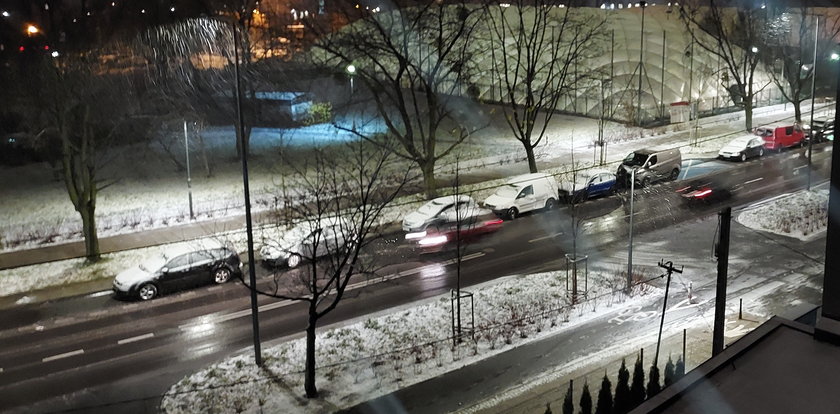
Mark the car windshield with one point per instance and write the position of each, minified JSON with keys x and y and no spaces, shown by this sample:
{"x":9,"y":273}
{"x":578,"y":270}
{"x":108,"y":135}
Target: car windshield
{"x":432,"y":207}
{"x":153,"y":263}
{"x":739,"y":142}
{"x":507,"y":191}
{"x":764,"y":132}
{"x":635,"y":159}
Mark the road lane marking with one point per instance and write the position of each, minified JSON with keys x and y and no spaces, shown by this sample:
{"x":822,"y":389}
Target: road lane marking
{"x":752,"y":181}
{"x":64,"y":355}
{"x":551,"y":236}
{"x":135,"y":338}
{"x":98,"y":294}
{"x":283,"y":303}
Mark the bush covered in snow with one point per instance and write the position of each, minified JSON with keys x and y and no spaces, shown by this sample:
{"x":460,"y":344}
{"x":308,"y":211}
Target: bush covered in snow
{"x":799,"y":215}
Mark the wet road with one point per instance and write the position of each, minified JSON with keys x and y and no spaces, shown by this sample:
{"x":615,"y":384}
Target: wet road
{"x":98,"y":354}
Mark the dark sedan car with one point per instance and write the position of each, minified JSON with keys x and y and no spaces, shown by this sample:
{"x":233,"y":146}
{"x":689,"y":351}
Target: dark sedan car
{"x":708,"y":190}
{"x":742,"y":148}
{"x":176,"y":269}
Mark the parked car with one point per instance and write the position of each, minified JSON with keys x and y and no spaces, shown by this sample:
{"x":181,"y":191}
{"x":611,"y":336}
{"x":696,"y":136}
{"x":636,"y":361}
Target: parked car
{"x":743,"y":147}
{"x":440,"y":213}
{"x":777,"y":138}
{"x":650,"y":165}
{"x":307,"y":240}
{"x":524,"y":193}
{"x":179,"y":268}
{"x":823,"y":130}
{"x":587,"y":185}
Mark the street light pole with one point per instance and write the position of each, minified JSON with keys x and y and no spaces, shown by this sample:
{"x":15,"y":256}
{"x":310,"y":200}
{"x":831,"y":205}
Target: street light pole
{"x":813,"y":101}
{"x":642,"y":4}
{"x":189,"y":179}
{"x":240,"y":136}
{"x":630,"y":245}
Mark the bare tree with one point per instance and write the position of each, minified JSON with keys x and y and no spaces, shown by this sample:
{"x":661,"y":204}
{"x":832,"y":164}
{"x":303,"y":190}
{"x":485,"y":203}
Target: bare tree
{"x":537,"y":46}
{"x":737,"y":35}
{"x":792,"y":36}
{"x":337,"y":202}
{"x":84,"y":105}
{"x":412,"y":61}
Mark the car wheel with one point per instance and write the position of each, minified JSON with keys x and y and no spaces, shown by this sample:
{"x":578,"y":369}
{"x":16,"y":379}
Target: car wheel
{"x":743,"y":156}
{"x":761,"y":152}
{"x":550,"y":204}
{"x":646,"y":182}
{"x":147,"y":291}
{"x":293,"y":260}
{"x":512,"y":213}
{"x":221,"y":275}
{"x":674,"y":174}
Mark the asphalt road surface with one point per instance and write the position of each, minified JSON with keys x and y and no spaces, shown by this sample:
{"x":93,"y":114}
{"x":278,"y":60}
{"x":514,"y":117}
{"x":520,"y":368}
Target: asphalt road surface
{"x":96,"y":354}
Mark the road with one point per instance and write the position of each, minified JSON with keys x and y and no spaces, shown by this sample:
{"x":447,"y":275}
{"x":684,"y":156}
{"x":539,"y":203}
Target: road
{"x":97,"y":354}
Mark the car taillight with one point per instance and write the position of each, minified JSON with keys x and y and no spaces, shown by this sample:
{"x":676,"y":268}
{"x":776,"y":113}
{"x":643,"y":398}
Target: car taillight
{"x":703,"y":193}
{"x":493,"y":222}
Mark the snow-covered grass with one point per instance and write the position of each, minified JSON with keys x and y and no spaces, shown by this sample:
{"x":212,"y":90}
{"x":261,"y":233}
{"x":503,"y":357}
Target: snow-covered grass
{"x":379,"y":355}
{"x":802,"y":215}
{"x":151,"y":193}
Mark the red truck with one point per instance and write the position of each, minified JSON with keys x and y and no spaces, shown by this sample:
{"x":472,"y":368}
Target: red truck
{"x":779,"y":137}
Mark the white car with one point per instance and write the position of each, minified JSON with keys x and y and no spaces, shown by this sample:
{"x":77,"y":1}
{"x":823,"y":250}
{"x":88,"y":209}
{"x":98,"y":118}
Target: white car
{"x":439,"y":213}
{"x":524,"y":193}
{"x":309,"y":240}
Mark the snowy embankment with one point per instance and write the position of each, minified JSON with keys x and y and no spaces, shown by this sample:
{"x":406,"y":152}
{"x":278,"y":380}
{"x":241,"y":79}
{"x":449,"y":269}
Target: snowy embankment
{"x":381,"y":354}
{"x":802,"y":215}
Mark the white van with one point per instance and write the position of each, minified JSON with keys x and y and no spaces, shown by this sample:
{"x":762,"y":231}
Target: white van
{"x":524,"y":193}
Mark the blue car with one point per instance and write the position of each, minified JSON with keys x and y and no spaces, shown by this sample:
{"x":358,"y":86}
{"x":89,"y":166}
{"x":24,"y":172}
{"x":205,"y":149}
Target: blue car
{"x":588,"y":185}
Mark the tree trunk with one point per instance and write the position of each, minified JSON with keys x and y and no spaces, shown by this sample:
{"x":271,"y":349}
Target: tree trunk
{"x":797,"y":111}
{"x":87,"y":211}
{"x":529,"y":152}
{"x":429,"y":183}
{"x":309,"y":381}
{"x":748,"y":114}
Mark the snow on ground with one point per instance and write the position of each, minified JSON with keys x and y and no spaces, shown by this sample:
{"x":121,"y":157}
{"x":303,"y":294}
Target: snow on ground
{"x":802,"y":215}
{"x":379,"y":355}
{"x":152,"y":193}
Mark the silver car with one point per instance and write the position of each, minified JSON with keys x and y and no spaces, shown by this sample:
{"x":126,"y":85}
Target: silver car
{"x":441,"y":211}
{"x":307,"y":240}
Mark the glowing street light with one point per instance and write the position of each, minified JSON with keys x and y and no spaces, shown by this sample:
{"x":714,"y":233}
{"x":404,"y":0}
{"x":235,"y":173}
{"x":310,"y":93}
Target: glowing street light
{"x":754,"y":49}
{"x":6,"y":13}
{"x":834,"y":56}
{"x":32,"y":29}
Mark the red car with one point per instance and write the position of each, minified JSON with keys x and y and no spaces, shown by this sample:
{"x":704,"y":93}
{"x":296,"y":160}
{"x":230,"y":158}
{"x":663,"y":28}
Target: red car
{"x":443,"y":236}
{"x":777,"y":138}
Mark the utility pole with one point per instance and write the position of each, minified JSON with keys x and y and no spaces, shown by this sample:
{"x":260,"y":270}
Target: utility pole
{"x":722,"y":253}
{"x":669,"y":268}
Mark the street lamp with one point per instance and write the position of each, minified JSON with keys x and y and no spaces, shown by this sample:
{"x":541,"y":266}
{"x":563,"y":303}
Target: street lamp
{"x":31,"y":29}
{"x":813,"y":96}
{"x":630,"y":244}
{"x":240,"y":136}
{"x":351,"y":70}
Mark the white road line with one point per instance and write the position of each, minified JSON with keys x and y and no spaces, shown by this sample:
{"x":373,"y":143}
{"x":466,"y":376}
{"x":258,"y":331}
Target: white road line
{"x":752,"y":181}
{"x":551,"y":236}
{"x":97,"y":294}
{"x":280,"y":304}
{"x":64,"y":355}
{"x":135,"y":338}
